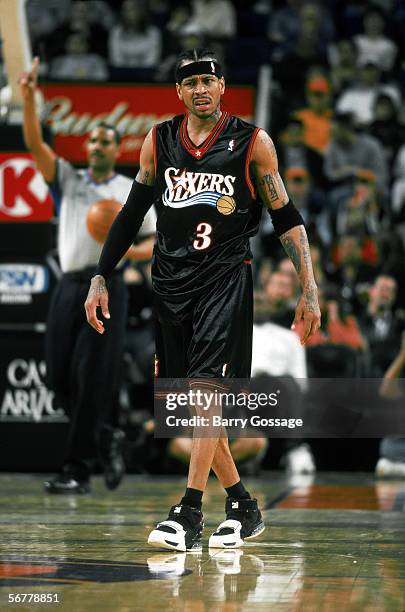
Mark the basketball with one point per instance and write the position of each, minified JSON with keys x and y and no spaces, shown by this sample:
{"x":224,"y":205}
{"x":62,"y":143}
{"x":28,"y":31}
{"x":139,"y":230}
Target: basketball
{"x":100,"y":217}
{"x":226,"y":205}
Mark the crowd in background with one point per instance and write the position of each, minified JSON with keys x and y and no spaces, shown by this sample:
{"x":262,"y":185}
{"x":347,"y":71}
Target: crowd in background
{"x":338,"y":122}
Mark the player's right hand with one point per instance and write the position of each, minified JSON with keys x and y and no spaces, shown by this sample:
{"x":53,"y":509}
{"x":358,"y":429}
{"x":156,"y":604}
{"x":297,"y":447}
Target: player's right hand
{"x":97,"y":297}
{"x":28,"y":80}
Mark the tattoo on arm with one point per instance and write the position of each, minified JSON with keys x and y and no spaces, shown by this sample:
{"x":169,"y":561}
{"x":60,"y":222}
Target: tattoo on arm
{"x":270,"y":182}
{"x":266,"y":140}
{"x":295,"y":243}
{"x":145,"y":177}
{"x":298,"y":252}
{"x":292,"y":251}
{"x":97,"y":286}
{"x":269,"y":185}
{"x":305,"y":248}
{"x":311,"y":299}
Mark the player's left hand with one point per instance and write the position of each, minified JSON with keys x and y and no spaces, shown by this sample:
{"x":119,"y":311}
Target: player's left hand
{"x":97,"y":297}
{"x":308,"y":310}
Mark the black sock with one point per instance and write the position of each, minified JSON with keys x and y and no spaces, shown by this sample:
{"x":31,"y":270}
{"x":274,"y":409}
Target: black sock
{"x":193,"y":498}
{"x":237,"y":491}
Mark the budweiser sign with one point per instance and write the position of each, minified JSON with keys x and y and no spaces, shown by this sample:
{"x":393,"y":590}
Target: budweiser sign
{"x":74,"y":110}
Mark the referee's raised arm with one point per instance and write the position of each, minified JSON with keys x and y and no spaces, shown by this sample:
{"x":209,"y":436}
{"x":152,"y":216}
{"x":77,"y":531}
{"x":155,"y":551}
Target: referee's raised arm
{"x":122,"y":234}
{"x":44,"y":156}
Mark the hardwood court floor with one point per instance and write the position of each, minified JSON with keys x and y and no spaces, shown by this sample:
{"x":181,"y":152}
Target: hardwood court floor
{"x":337,"y":544}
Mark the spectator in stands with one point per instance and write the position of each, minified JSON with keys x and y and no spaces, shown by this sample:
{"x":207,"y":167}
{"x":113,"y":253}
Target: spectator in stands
{"x":391,"y":253}
{"x":292,"y":61}
{"x":266,"y":268}
{"x":82,"y":19}
{"x":277,"y":352}
{"x":140,"y":342}
{"x":399,"y":163}
{"x":214,"y":19}
{"x":77,"y":63}
{"x":354,"y":270}
{"x":343,"y":61}
{"x":285,"y":23}
{"x":294,"y":152}
{"x":180,"y":15}
{"x":392,"y":450}
{"x":247,"y":452}
{"x":373,"y":45}
{"x":317,"y":255}
{"x":317,"y":116}
{"x":277,"y":302}
{"x":350,"y":151}
{"x":398,"y":206}
{"x":310,"y":202}
{"x":386,"y":126}
{"x":96,"y":12}
{"x":365,"y":214}
{"x":362,"y":212}
{"x":337,"y":327}
{"x":44,"y":16}
{"x":286,"y":266}
{"x":359,"y":99}
{"x":133,"y":42}
{"x":350,"y":16}
{"x":176,"y":44}
{"x":382,"y":324}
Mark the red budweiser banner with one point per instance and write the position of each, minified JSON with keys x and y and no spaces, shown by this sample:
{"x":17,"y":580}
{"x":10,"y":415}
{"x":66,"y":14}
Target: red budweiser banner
{"x":75,"y":109}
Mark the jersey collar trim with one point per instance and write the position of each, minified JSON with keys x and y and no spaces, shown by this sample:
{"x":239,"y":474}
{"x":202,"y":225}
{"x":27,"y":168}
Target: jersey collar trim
{"x":199,"y":152}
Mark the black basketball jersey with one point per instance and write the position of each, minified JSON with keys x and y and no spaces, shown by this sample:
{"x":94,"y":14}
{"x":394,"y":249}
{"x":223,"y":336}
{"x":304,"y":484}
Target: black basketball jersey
{"x":206,"y":204}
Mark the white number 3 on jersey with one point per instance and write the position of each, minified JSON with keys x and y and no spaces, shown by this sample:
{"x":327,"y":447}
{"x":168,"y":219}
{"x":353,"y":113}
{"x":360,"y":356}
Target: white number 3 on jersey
{"x":203,"y":239}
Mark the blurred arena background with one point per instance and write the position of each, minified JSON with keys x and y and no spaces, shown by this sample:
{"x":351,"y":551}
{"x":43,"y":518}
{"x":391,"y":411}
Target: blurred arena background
{"x":327,"y":80}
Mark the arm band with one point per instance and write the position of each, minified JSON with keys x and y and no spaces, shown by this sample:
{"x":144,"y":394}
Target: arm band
{"x":125,"y":228}
{"x":285,"y":218}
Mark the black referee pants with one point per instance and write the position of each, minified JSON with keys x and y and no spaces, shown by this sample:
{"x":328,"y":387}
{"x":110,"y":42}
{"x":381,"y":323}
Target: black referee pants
{"x":83,"y":367}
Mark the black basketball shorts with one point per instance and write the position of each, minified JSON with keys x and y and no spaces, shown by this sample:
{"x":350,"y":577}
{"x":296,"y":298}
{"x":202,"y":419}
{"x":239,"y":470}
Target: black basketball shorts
{"x":212,"y":337}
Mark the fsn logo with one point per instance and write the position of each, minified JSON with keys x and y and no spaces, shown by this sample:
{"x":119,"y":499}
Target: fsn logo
{"x":23,"y":278}
{"x":24,"y":194}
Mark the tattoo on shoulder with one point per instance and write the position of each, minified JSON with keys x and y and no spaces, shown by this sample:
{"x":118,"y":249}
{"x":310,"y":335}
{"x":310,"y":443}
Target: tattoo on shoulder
{"x":266,"y":140}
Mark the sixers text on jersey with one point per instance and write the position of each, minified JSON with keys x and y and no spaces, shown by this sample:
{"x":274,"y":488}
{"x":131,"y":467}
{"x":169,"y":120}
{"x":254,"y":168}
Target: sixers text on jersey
{"x":191,"y":188}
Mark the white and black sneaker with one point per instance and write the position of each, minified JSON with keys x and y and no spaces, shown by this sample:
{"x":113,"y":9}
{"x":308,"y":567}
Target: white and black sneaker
{"x":243,"y":522}
{"x":181,"y":531}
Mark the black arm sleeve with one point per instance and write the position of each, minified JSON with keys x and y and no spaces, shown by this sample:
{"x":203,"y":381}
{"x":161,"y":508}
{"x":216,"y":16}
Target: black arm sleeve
{"x":125,"y":228}
{"x":285,"y":218}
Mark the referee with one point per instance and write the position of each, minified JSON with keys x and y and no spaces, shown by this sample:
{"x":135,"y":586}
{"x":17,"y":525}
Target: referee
{"x":84,"y":369}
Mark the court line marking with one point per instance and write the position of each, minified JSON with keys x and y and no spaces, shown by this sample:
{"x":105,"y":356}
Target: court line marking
{"x":279,"y":498}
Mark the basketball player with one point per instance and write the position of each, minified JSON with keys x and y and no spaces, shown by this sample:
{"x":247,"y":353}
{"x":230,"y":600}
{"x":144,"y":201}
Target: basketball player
{"x":204,"y":171}
{"x":83,"y":372}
